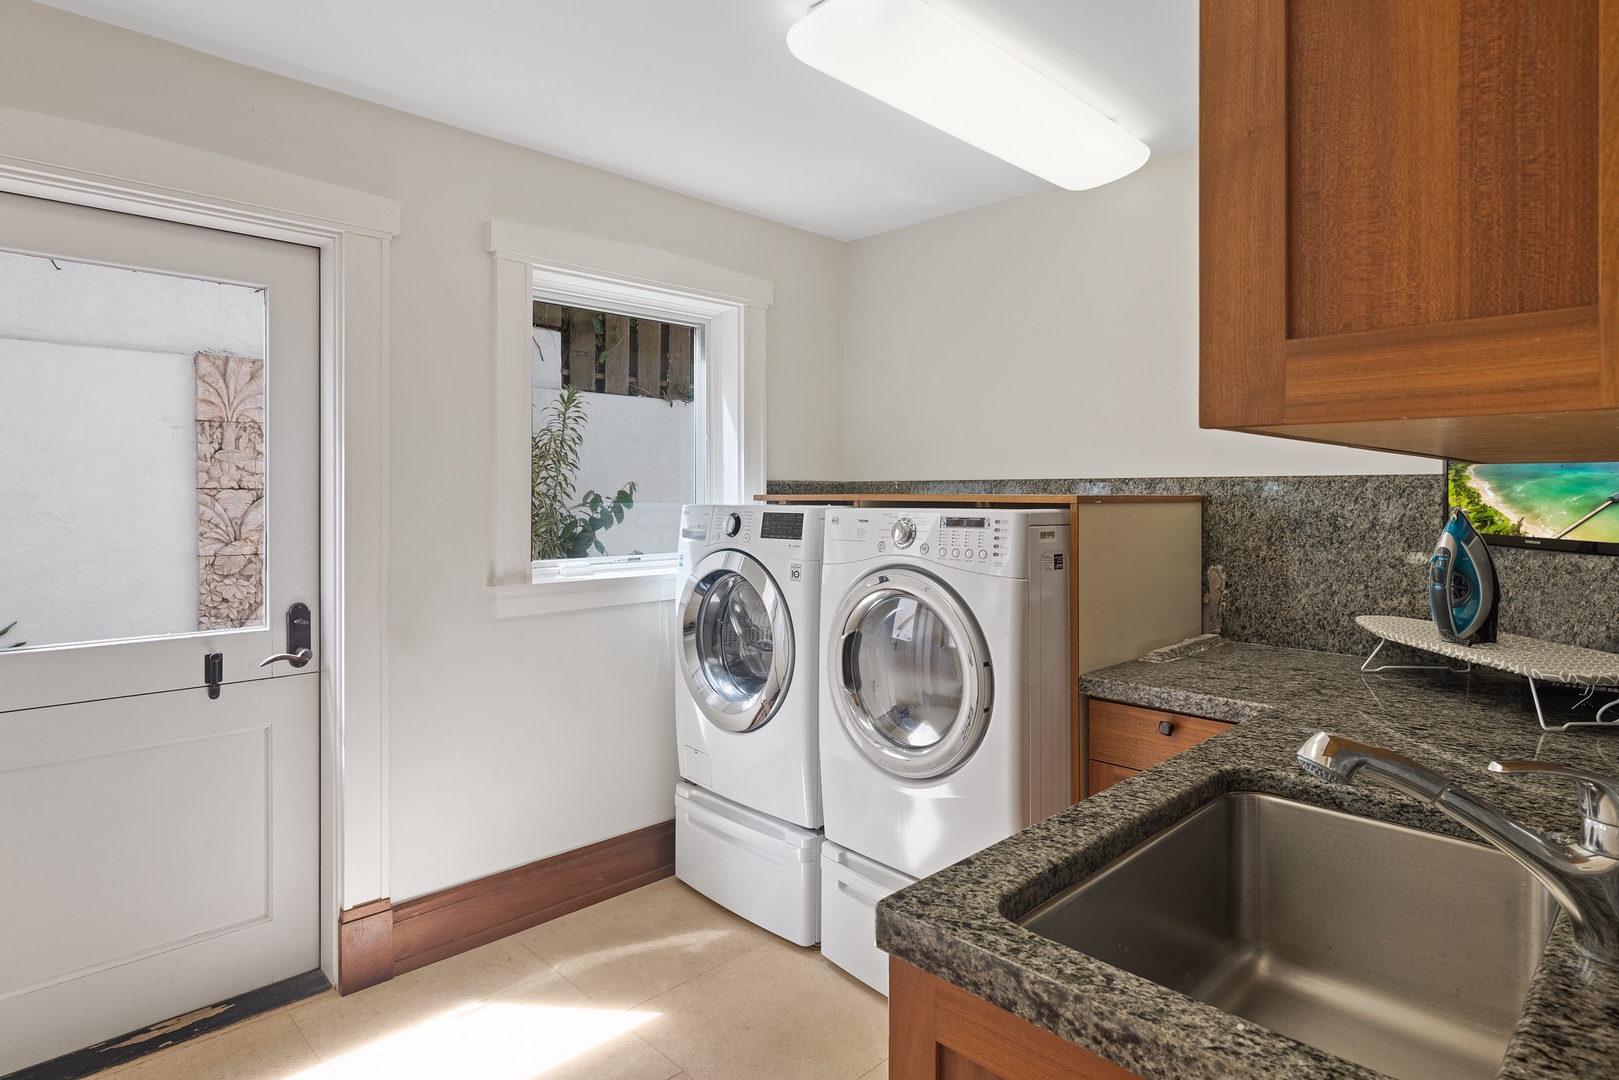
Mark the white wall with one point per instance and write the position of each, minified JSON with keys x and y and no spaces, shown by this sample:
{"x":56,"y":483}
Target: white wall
{"x":514,"y":740}
{"x":1051,"y":335}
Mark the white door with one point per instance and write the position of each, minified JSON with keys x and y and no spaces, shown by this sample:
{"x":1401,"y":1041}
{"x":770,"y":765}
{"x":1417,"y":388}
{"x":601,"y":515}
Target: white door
{"x":159,"y":468}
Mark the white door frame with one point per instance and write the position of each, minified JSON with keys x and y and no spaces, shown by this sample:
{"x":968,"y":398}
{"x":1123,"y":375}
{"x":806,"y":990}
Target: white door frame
{"x":72,"y":162}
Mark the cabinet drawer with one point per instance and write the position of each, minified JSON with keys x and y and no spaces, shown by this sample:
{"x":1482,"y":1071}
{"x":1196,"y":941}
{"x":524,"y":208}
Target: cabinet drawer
{"x":1129,"y":736}
{"x":1104,"y":774}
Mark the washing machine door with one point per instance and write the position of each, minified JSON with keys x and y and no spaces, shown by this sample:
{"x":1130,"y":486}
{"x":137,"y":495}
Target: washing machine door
{"x":736,"y":641}
{"x":911,"y":675}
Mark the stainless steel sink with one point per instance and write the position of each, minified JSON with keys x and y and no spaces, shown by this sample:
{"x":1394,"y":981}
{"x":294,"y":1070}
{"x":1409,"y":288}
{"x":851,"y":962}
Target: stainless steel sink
{"x":1404,"y":951}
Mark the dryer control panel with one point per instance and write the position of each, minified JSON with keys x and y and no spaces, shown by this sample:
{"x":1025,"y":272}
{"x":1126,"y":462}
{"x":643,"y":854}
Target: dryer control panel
{"x":1003,"y":543}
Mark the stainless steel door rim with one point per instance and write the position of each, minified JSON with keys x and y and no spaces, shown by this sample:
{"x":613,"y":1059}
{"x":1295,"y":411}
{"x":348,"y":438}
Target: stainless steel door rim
{"x":924,"y":710}
{"x":736,"y":641}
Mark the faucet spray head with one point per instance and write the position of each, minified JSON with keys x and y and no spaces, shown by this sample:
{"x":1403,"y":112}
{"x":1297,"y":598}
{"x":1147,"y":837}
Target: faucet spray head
{"x":1315,"y":758}
{"x":1336,"y":760}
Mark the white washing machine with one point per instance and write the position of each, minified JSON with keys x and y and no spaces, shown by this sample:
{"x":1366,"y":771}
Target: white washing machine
{"x":945,"y":707}
{"x":747,"y":823}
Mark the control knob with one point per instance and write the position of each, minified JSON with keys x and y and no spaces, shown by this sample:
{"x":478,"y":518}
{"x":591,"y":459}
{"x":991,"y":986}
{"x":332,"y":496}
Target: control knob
{"x":733,"y":524}
{"x":904,"y":532}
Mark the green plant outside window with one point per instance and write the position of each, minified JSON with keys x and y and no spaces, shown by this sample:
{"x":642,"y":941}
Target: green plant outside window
{"x":561,"y":528}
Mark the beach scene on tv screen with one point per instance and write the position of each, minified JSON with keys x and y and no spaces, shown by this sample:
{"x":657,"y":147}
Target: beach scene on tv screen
{"x":1575,"y":500}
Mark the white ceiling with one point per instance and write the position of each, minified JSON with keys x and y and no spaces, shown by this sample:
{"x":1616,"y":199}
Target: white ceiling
{"x":699,"y":96}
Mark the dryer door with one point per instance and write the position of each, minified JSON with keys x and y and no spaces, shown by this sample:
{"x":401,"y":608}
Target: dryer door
{"x":911,"y":675}
{"x":736,"y":641}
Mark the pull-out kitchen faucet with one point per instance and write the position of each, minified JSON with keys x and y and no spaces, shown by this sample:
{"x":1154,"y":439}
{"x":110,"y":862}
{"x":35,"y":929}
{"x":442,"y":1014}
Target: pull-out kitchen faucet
{"x":1583,"y":877}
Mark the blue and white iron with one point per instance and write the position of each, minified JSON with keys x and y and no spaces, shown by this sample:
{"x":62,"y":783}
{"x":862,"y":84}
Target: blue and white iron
{"x":1462,"y":587}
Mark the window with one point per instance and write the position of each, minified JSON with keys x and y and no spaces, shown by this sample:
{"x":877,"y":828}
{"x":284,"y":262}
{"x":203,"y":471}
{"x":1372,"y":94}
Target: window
{"x":615,"y":451}
{"x":663,"y":360}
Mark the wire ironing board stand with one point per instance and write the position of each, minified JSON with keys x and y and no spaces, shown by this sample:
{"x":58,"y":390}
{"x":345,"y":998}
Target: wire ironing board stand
{"x":1538,"y":661}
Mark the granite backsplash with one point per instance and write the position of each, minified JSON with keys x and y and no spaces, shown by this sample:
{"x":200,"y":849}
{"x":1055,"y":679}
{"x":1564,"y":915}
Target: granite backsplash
{"x":1303,"y":555}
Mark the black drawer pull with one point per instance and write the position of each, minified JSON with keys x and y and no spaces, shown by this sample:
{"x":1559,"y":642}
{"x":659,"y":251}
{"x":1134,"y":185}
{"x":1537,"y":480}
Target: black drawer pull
{"x":1166,"y":728}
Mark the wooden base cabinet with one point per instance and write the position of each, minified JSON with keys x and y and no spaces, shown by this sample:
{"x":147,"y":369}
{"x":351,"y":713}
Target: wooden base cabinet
{"x":1124,"y":739}
{"x":938,"y":1031}
{"x":1410,"y":225}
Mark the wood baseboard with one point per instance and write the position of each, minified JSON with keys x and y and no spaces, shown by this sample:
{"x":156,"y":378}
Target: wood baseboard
{"x":365,"y":946}
{"x":391,"y":939}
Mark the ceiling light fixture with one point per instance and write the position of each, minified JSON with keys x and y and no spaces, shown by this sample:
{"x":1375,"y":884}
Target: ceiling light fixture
{"x":921,"y":61}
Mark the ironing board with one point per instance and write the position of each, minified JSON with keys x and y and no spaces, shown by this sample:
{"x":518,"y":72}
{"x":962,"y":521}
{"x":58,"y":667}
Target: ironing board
{"x":1545,"y":661}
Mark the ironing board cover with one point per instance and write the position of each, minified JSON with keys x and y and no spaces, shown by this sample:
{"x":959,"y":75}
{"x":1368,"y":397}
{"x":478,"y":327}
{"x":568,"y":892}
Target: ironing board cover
{"x":1543,"y":660}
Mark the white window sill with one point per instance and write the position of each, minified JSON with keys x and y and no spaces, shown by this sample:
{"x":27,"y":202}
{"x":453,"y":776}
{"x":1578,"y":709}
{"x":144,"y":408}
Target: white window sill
{"x":552,"y":593}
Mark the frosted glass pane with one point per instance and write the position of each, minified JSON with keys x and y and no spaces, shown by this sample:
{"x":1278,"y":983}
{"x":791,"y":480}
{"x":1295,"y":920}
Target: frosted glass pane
{"x":131,"y":453}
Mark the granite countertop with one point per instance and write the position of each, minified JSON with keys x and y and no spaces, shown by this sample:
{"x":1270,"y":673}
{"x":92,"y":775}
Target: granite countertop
{"x":958,"y":923}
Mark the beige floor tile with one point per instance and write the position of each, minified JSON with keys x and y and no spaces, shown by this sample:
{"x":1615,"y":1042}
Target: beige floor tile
{"x":879,"y":1073}
{"x":268,"y":1047}
{"x":776,"y":1011}
{"x":336,"y":1026}
{"x":542,"y":1028}
{"x":625,"y":950}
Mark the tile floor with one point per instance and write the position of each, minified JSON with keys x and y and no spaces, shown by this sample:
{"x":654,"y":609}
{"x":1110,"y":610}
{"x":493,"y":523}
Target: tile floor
{"x":657,"y":984}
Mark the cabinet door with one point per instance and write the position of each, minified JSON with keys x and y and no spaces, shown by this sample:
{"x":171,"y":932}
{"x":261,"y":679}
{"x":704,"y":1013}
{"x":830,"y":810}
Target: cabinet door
{"x":1409,"y":237}
{"x":1104,"y":774}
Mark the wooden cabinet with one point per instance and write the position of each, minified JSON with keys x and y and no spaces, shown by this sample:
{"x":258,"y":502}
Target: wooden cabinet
{"x":1124,"y":739}
{"x":938,"y":1031}
{"x":1410,"y":224}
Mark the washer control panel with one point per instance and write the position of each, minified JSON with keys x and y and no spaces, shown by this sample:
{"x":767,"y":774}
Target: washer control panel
{"x":786,"y":530}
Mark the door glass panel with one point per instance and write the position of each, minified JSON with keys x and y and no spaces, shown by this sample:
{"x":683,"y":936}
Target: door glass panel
{"x":734,"y":639}
{"x":131,"y":453}
{"x":908,"y":675}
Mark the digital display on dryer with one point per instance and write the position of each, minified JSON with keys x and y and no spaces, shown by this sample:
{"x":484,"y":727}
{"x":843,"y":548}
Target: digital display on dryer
{"x":782,"y":527}
{"x":962,"y":523}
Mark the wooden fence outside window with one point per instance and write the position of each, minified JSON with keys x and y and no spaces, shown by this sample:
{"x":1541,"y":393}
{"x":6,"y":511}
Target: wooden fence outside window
{"x":619,"y":354}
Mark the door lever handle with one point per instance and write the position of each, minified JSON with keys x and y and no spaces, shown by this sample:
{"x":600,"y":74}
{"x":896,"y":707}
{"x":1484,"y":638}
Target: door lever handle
{"x":298,"y":641}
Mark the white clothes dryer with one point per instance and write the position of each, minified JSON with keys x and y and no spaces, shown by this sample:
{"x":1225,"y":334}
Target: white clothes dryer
{"x":946,"y":706}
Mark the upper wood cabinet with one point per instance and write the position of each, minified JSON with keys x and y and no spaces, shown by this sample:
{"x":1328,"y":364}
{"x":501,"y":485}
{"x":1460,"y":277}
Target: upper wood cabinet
{"x":1410,"y":224}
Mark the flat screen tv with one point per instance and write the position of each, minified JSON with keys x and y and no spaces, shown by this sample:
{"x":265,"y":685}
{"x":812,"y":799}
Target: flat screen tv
{"x":1555,"y":506}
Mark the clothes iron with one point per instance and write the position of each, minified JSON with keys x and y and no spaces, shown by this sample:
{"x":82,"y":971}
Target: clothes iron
{"x":1462,"y":587}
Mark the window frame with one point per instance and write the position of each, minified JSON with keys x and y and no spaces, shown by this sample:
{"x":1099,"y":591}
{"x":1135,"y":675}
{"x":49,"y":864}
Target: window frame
{"x":728,"y":309}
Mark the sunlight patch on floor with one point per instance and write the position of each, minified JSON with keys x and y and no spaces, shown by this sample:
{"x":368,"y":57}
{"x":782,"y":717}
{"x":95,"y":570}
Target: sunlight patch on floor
{"x":690,"y":942}
{"x":491,"y":1041}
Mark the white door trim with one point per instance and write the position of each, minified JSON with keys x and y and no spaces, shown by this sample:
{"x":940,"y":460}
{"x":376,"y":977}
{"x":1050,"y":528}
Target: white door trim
{"x":68,"y":161}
